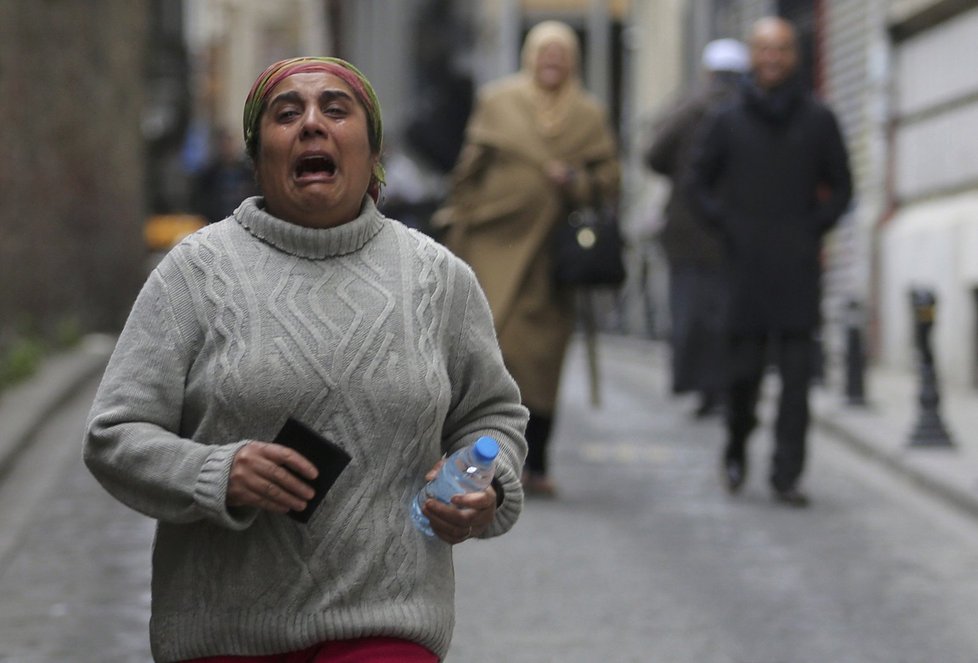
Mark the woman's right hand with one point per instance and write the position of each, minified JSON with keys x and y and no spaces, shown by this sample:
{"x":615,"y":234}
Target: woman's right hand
{"x":269,"y":476}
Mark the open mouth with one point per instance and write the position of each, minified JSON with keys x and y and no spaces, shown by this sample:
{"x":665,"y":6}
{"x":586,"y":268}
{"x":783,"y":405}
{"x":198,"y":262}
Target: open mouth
{"x":314,"y":165}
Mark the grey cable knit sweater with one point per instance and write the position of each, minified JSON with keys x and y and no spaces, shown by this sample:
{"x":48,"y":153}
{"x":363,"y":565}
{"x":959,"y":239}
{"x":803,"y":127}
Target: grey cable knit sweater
{"x":370,"y":333}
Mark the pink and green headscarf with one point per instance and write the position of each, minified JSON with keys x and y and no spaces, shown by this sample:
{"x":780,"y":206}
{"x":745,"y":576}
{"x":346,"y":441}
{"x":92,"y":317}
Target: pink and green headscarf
{"x":364,"y":92}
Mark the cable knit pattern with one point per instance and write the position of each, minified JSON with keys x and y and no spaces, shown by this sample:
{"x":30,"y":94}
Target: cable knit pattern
{"x":370,"y":333}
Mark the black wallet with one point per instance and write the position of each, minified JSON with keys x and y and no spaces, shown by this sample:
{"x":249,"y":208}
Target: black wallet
{"x":329,"y":458}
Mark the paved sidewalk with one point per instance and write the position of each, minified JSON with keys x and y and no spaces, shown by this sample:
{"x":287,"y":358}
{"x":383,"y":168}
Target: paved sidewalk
{"x":26,"y":405}
{"x":881,"y":429}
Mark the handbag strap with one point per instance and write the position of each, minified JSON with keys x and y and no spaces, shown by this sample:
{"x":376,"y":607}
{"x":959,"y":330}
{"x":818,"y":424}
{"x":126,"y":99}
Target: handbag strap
{"x":596,"y":197}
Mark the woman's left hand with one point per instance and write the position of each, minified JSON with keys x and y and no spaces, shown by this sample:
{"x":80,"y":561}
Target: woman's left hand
{"x":468,"y":515}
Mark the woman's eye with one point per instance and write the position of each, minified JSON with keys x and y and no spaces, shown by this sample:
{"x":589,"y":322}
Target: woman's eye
{"x":335,"y":111}
{"x":287,"y":114}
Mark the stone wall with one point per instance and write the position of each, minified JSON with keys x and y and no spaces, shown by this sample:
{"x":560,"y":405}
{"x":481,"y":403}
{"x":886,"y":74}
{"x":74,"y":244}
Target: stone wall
{"x":71,"y":162}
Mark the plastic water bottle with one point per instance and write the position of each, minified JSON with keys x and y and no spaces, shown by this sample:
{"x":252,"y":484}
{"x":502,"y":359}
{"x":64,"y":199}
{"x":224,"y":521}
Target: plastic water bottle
{"x":467,"y":470}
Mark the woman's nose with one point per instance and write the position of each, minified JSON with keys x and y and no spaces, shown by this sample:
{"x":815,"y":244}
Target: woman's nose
{"x":313,"y":123}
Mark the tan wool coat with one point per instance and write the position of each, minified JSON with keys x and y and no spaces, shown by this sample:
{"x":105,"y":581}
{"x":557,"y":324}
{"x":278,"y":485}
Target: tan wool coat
{"x":503,"y":208}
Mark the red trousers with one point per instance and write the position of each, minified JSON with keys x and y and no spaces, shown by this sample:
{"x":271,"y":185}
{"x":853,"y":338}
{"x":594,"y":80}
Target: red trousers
{"x":364,"y":650}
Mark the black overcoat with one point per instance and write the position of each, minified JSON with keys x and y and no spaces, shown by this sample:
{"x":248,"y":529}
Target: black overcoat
{"x":770,"y":173}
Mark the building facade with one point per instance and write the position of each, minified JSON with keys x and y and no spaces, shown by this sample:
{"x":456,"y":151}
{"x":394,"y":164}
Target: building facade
{"x":929,"y":238}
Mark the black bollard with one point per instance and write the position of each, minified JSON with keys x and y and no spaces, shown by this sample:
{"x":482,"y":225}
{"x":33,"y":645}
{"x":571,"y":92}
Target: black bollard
{"x":855,"y":355}
{"x":930,"y":430}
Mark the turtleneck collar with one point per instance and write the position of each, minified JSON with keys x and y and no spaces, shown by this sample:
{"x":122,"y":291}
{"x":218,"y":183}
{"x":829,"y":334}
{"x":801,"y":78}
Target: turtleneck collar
{"x":777,"y":104}
{"x":314,"y":243}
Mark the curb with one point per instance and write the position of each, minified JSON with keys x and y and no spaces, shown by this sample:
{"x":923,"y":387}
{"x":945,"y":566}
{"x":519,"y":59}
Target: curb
{"x":24,"y":407}
{"x":964,"y":500}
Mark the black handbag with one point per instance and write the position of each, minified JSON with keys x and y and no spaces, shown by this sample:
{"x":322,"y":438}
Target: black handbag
{"x":588,"y":248}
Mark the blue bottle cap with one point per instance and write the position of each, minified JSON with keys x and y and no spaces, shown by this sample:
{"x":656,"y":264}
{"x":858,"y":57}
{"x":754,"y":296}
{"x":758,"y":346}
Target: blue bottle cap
{"x":486,"y":448}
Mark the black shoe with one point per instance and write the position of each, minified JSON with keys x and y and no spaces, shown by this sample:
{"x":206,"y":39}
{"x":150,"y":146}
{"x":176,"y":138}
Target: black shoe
{"x":791,"y":497}
{"x":735,"y":473}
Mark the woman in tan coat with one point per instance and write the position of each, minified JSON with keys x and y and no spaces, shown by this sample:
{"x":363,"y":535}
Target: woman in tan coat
{"x":537,"y":145}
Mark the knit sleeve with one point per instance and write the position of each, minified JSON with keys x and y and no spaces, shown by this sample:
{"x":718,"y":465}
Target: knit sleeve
{"x":132,"y":446}
{"x":485,"y":398}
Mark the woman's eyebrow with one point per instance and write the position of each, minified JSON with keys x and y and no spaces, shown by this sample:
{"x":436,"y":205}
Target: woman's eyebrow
{"x":291,"y":96}
{"x":331,"y":95}
{"x":324,"y":97}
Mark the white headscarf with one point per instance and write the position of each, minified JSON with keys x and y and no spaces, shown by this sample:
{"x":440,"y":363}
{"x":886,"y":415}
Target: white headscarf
{"x":552,"y":106}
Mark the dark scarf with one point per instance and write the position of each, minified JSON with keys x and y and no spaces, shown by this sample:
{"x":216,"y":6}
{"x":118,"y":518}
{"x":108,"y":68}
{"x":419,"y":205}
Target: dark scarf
{"x":776,"y":105}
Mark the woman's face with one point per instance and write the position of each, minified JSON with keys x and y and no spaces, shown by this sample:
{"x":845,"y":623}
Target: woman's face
{"x":314,"y":158}
{"x":553,"y":66}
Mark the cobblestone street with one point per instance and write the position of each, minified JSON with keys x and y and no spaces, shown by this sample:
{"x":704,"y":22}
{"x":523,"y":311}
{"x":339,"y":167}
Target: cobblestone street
{"x":76,"y":560}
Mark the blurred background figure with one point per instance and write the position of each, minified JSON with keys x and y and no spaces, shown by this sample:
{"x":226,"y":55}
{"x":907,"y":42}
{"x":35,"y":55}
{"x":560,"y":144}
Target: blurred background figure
{"x":771,"y":174}
{"x":225,"y":181}
{"x":537,"y":145}
{"x":443,"y":103}
{"x":697,"y":302}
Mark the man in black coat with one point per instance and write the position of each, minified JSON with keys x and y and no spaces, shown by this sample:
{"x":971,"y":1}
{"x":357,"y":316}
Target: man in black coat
{"x":770,"y":174}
